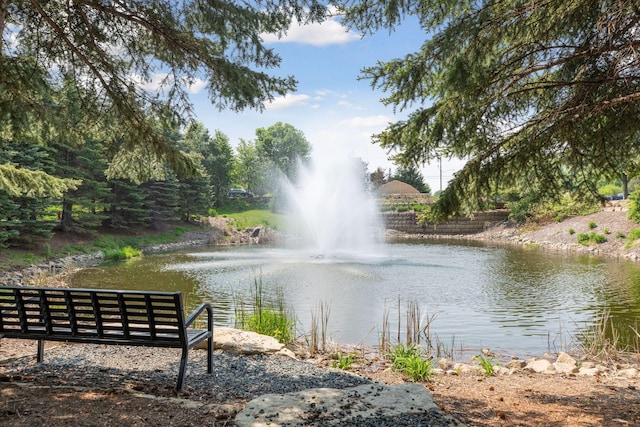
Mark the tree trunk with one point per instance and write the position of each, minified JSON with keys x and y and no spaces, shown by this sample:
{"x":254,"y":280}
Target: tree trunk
{"x":625,"y":186}
{"x":66,"y":220}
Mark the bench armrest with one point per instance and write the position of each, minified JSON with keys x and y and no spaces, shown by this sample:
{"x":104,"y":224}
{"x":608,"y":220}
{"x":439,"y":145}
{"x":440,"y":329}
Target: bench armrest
{"x":202,"y":307}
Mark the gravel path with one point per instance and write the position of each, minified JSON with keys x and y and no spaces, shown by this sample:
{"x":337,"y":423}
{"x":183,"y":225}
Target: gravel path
{"x":155,"y":371}
{"x":236,"y":379}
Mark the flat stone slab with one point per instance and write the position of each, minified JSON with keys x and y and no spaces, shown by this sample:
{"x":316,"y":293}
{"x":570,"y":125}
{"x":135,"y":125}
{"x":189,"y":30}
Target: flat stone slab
{"x":367,"y":404}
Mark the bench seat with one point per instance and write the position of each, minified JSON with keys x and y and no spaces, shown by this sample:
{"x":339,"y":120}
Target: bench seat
{"x":114,"y":317}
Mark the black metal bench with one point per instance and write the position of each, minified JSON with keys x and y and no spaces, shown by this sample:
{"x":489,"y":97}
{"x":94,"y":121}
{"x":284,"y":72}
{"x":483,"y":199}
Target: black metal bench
{"x":136,"y":318}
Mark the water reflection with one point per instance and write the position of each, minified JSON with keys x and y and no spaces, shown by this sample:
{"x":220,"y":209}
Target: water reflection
{"x":519,"y":302}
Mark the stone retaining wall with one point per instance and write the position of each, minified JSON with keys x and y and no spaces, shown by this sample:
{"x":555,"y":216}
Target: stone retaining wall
{"x":407,"y":222}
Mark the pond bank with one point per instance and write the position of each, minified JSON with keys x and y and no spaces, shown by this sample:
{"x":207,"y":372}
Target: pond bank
{"x":611,"y":222}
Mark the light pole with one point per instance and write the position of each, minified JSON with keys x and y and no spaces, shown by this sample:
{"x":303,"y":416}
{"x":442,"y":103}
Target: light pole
{"x":440,"y":167}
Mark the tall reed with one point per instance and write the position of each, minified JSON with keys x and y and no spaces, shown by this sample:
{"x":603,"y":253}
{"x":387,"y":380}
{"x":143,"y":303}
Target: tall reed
{"x":319,"y":325}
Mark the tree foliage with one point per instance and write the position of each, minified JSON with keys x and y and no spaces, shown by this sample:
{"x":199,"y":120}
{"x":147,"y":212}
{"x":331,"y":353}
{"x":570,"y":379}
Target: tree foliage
{"x":111,"y":52}
{"x":524,"y":91}
{"x":284,"y":146}
{"x":412,"y":176}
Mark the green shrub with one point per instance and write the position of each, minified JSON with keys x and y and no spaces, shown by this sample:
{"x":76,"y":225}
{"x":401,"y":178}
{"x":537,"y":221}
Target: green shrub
{"x":599,"y":238}
{"x":620,"y":235}
{"x":634,"y":235}
{"x":634,"y":206}
{"x":123,"y":253}
{"x":402,"y":208}
{"x":572,"y":231}
{"x":589,"y":238}
{"x":609,"y":190}
{"x":592,"y":225}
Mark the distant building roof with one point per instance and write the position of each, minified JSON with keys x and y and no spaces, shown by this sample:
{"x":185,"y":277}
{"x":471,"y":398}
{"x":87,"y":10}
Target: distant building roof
{"x":397,"y":187}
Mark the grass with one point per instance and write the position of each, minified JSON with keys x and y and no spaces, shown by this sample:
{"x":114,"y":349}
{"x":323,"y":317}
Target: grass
{"x":18,"y":258}
{"x":266,"y":318}
{"x":258,"y":217}
{"x":122,"y":254}
{"x":408,"y":360}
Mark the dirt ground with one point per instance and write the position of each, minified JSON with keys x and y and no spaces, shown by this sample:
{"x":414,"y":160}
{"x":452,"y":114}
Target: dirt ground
{"x":520,"y":399}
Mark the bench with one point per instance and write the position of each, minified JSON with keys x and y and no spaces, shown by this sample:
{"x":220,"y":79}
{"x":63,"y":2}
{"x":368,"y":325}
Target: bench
{"x":115,"y":317}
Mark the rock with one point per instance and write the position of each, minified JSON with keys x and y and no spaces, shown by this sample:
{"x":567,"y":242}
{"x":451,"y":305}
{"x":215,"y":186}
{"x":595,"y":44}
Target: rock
{"x":243,"y":342}
{"x":539,"y":365}
{"x":564,"y":358}
{"x":287,"y":353}
{"x":565,"y":368}
{"x":328,"y":406}
{"x":565,"y":364}
{"x":443,"y":364}
{"x":516,"y":364}
{"x":628,"y":373}
{"x":463,"y":368}
{"x":591,"y":372}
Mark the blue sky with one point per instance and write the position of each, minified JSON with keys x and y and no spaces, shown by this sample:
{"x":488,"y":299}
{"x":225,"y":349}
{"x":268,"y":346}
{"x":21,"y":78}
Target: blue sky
{"x":336,"y":112}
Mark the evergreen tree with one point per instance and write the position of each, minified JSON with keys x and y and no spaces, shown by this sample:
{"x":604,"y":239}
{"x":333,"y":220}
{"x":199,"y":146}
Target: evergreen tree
{"x":412,"y":176}
{"x":112,"y":52}
{"x":86,"y":206}
{"x":25,"y":219}
{"x":521,"y":90}
{"x":129,"y":208}
{"x":162,"y":201}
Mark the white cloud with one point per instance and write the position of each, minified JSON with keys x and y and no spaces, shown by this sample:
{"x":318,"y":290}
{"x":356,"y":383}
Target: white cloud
{"x":287,"y":101}
{"x":196,"y":86}
{"x":326,"y":33}
{"x":160,"y":81}
{"x":374,"y":122}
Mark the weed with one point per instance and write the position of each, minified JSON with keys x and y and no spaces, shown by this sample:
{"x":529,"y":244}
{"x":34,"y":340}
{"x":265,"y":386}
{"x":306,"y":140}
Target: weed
{"x":621,"y":235}
{"x":408,"y":360}
{"x":343,"y":362}
{"x":486,"y":363}
{"x":592,"y":225}
{"x":606,"y":231}
{"x":572,"y":231}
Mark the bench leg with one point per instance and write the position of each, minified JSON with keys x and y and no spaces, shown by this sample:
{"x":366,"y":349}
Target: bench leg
{"x":40,"y":351}
{"x":210,"y":354}
{"x":183,"y":368}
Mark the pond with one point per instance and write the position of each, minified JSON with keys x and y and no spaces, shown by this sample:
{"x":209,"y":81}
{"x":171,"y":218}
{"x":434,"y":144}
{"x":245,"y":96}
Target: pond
{"x":514,"y":301}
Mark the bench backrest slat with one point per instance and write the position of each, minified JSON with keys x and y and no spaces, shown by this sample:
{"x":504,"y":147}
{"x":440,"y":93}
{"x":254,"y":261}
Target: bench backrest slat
{"x":97,"y":314}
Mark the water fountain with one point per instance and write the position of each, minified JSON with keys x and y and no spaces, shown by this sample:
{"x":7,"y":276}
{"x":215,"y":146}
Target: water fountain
{"x":333,"y":211}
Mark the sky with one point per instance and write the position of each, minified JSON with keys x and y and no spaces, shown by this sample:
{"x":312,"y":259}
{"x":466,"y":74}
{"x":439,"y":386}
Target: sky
{"x":337,"y":113}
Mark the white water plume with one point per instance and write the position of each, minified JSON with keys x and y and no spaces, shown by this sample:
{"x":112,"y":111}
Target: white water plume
{"x":333,"y":211}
